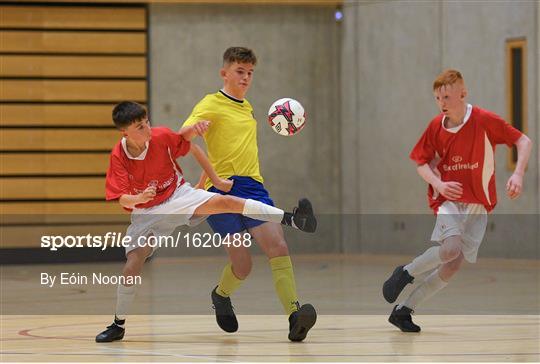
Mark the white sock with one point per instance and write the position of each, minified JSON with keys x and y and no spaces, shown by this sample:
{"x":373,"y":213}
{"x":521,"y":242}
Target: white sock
{"x":425,"y":262}
{"x":124,"y":299}
{"x":431,"y":285}
{"x":261,"y":211}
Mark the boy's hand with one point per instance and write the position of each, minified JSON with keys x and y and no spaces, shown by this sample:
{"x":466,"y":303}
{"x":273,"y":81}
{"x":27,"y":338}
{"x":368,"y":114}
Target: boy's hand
{"x":450,"y":190}
{"x":147,"y":195}
{"x":201,"y":127}
{"x":514,"y":186}
{"x":224,"y":185}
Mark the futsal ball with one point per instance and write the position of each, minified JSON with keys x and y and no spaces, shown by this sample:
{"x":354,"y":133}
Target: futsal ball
{"x":286,"y":116}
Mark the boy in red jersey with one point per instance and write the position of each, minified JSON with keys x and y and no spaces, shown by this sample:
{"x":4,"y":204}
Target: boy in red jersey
{"x":461,"y":141}
{"x":144,"y":177}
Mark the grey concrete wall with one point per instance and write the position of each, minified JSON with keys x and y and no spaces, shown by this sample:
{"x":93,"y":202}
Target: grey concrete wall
{"x":537,"y":141}
{"x":394,"y":55}
{"x":299,"y":56}
{"x":391,"y":53}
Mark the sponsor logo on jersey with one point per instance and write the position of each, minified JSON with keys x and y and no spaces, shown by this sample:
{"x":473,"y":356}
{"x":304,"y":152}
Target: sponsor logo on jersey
{"x":155,"y":183}
{"x":460,"y":166}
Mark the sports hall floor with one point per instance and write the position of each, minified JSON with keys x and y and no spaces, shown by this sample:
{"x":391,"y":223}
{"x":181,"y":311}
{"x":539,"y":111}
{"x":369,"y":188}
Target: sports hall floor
{"x":490,"y":312}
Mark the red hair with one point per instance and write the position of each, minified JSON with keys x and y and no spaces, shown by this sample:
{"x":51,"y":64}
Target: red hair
{"x":447,"y":78}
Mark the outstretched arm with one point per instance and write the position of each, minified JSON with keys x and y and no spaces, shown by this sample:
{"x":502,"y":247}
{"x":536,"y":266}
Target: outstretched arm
{"x":197,"y":129}
{"x":514,"y":186}
{"x":224,"y":185}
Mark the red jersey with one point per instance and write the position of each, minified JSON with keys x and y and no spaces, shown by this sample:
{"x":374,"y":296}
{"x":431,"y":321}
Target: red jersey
{"x":156,"y":166}
{"x":467,"y":154}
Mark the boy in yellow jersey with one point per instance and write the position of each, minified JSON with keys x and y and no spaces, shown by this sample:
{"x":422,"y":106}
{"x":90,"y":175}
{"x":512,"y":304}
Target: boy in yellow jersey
{"x":231,"y":141}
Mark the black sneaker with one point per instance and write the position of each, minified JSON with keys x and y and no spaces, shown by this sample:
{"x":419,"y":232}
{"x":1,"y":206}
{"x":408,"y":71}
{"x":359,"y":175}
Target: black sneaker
{"x":225,"y":317}
{"x":301,"y":321}
{"x":113,"y":333}
{"x":395,"y":284}
{"x":402,"y":319}
{"x":303,"y":216}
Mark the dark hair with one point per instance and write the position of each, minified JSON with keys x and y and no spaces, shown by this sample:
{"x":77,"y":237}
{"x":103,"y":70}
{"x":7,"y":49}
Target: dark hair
{"x":240,"y":55}
{"x":126,"y":113}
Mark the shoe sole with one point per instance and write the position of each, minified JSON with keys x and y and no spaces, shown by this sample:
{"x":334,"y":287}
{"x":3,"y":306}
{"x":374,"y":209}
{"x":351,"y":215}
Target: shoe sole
{"x":388,"y":296}
{"x":307,"y":203}
{"x":391,"y":320}
{"x":310,"y":225}
{"x":226,"y":328}
{"x":110,"y":341}
{"x":307,"y":317}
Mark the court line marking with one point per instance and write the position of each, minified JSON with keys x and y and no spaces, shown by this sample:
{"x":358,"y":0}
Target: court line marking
{"x":269,"y":342}
{"x":141,"y":352}
{"x":26,"y":332}
{"x":216,"y":358}
{"x":74,"y":354}
{"x":133,"y":352}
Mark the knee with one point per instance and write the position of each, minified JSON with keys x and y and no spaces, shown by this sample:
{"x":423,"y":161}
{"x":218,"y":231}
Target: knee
{"x":241,"y":262}
{"x":241,"y":271}
{"x":229,"y":202}
{"x":278,"y":248}
{"x":131,"y":270}
{"x":134,"y":264}
{"x":450,"y":251}
{"x":454,"y":265}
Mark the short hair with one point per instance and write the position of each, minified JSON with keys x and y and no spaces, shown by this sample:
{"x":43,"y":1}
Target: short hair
{"x":240,"y":55}
{"x":126,"y":113}
{"x":447,"y":78}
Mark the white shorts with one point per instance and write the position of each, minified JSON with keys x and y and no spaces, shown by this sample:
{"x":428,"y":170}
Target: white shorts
{"x":466,"y":220}
{"x":163,"y":219}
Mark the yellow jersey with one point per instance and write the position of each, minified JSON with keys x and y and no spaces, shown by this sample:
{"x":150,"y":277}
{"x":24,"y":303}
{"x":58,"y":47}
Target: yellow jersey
{"x":231,"y":139}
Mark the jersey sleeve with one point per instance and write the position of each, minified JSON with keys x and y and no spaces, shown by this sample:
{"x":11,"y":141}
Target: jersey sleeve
{"x":117,"y":180}
{"x":499,"y":131}
{"x":201,"y":111}
{"x":424,"y":150}
{"x":178,"y":145}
